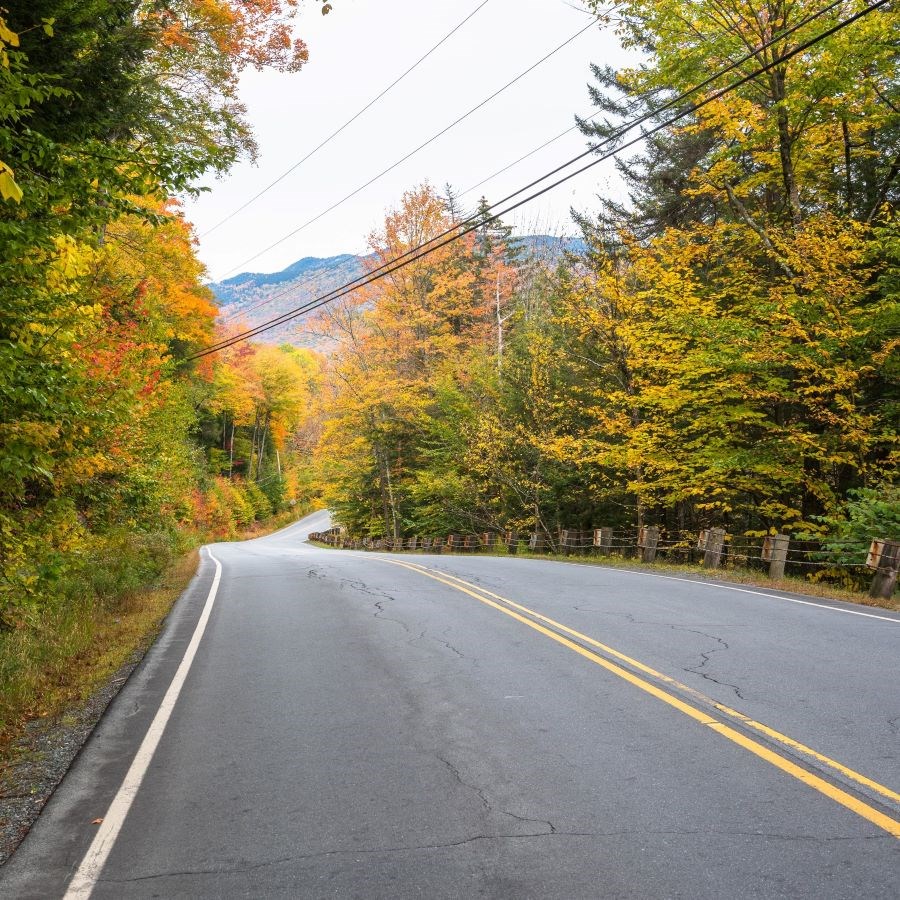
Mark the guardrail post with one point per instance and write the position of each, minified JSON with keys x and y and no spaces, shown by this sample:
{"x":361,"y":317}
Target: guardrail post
{"x":712,"y":547}
{"x":603,"y":540}
{"x":774,"y":552}
{"x":884,"y":558}
{"x":648,"y":541}
{"x":437,"y":545}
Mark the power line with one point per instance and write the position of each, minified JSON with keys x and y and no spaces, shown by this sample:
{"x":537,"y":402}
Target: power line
{"x":589,"y":116}
{"x":349,"y":121}
{"x":506,"y":168}
{"x":621,"y":131}
{"x":429,"y":247}
{"x":453,"y":234}
{"x":412,"y":153}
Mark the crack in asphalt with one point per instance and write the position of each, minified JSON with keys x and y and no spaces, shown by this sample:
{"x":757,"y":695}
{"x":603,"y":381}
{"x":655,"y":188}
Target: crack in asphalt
{"x":363,"y":588}
{"x":448,"y":645}
{"x":413,"y":848}
{"x":482,"y":796}
{"x":379,"y":606}
{"x":706,"y":656}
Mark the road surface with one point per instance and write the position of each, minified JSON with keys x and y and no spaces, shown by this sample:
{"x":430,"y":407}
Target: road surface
{"x":321,"y":723}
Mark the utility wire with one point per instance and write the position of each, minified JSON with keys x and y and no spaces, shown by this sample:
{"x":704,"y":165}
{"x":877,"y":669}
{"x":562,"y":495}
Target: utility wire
{"x":609,"y":139}
{"x":452,"y":234}
{"x":411,"y":153}
{"x":349,"y":121}
{"x":455,"y":234}
{"x":429,"y":247}
{"x":506,"y":168}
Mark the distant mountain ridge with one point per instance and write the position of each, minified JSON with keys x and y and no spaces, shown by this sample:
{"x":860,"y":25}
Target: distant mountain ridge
{"x":253,"y":298}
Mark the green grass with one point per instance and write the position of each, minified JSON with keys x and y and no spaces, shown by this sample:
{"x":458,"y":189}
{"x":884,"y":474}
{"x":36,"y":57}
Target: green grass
{"x":97,"y":617}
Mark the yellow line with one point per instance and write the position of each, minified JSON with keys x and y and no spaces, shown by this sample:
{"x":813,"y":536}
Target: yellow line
{"x":888,"y":824}
{"x":745,"y":720}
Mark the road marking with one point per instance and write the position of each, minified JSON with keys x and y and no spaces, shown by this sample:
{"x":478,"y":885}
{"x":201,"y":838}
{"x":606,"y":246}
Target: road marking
{"x":745,"y":720}
{"x":876,"y":817}
{"x":85,"y":878}
{"x":729,"y":587}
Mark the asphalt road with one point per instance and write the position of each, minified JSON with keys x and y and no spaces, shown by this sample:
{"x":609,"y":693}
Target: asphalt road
{"x":358,"y":725}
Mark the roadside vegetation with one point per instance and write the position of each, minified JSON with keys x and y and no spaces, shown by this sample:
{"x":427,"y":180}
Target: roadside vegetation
{"x":118,"y":453}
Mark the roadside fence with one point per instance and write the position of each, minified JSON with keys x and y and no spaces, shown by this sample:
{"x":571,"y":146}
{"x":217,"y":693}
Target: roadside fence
{"x":713,"y":548}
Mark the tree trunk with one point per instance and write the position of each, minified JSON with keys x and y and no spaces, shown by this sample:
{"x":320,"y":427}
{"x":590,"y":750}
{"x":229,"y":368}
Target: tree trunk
{"x":848,"y":175}
{"x":387,"y":494}
{"x":231,"y":452}
{"x":253,"y":447}
{"x":262,"y":448}
{"x":785,"y":146}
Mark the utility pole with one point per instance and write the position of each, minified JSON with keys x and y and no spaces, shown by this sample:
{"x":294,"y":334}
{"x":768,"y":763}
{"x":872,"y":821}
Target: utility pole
{"x":501,"y":319}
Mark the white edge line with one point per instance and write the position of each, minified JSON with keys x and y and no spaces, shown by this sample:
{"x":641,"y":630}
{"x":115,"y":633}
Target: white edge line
{"x":729,"y":587}
{"x":85,"y":878}
{"x":718,"y":584}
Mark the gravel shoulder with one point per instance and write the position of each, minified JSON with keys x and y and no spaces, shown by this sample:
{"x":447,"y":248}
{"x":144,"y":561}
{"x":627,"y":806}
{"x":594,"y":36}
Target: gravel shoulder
{"x":37,"y":761}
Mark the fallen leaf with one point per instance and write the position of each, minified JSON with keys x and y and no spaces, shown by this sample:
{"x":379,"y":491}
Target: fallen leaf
{"x":97,"y":822}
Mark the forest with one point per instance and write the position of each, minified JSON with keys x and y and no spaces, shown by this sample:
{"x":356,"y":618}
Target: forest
{"x":724,"y":353}
{"x":118,"y":451}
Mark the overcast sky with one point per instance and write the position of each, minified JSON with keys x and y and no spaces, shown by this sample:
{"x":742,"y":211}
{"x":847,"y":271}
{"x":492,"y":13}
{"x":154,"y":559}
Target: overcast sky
{"x":355,"y":52}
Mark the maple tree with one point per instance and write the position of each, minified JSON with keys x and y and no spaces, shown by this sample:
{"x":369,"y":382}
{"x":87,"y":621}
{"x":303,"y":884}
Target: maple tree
{"x":108,"y":109}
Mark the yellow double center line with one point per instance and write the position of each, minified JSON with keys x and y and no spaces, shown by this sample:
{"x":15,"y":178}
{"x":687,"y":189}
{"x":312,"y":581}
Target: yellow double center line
{"x":533,"y":620}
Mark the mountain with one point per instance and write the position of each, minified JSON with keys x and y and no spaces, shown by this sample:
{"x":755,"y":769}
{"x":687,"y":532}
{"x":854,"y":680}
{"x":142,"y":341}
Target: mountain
{"x":252,"y":298}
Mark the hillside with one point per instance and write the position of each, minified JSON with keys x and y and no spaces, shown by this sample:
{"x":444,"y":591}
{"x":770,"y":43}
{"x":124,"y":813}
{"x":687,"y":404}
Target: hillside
{"x":253,"y":298}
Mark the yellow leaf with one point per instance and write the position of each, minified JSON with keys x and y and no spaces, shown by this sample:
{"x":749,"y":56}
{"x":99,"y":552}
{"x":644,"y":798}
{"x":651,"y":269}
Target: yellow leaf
{"x":9,"y":190}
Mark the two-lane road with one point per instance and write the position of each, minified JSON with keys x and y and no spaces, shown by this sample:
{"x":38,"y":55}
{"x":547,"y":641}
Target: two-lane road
{"x":333,"y":724}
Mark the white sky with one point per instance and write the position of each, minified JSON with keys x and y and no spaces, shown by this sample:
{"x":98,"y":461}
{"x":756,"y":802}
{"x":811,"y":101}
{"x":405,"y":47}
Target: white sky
{"x":355,"y":52}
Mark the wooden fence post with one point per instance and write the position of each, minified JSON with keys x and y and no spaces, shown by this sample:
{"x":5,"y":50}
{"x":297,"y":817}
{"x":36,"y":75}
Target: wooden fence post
{"x":884,"y":558}
{"x":512,"y":541}
{"x":774,"y":552}
{"x":537,"y":542}
{"x":648,"y":541}
{"x":712,"y":547}
{"x":437,"y":545}
{"x":603,"y":540}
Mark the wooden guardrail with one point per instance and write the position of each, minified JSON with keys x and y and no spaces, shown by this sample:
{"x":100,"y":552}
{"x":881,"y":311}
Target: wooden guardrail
{"x":714,"y":547}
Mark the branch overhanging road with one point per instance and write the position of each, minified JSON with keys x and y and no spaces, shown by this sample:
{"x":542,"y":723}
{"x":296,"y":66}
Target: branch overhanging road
{"x":372,"y":725}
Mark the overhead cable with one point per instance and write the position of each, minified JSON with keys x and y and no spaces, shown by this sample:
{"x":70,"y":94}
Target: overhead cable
{"x":621,"y":131}
{"x":349,"y":122}
{"x":459,"y":231}
{"x":411,"y":153}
